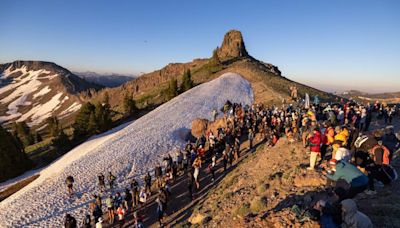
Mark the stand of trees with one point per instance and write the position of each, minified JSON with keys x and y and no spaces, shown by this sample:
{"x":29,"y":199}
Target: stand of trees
{"x":92,"y":119}
{"x":13,"y":160}
{"x":129,"y":105}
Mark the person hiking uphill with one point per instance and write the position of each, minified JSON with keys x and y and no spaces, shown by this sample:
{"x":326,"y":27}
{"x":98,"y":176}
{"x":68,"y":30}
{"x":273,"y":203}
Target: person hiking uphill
{"x":110,"y":208}
{"x":111,"y":179}
{"x":197,"y":166}
{"x":102,"y":184}
{"x":70,"y":222}
{"x":70,"y":182}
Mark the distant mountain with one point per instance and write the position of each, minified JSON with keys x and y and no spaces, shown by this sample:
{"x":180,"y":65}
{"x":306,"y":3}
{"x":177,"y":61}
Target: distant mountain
{"x":107,"y":80}
{"x":392,"y":97}
{"x":32,"y":91}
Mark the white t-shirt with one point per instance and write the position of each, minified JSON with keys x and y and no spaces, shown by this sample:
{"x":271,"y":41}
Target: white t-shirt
{"x":342,"y":154}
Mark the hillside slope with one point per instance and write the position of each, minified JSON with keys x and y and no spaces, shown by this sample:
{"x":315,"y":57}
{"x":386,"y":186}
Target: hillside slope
{"x":31,"y":91}
{"x":268,"y":84}
{"x":128,"y":153}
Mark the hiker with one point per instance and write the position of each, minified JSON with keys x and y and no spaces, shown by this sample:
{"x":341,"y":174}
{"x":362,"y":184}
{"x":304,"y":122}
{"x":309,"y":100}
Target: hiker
{"x":314,"y":140}
{"x":160,"y":211}
{"x":70,"y":182}
{"x":102,"y":183}
{"x":190,"y":182}
{"x":121,"y":215}
{"x":138,"y":221}
{"x":147,"y":181}
{"x":158,"y":174}
{"x":251,"y":138}
{"x":99,"y":223}
{"x":197,"y":165}
{"x":86,"y":223}
{"x":211,"y":167}
{"x":143,"y":197}
{"x":135,"y":193}
{"x":70,"y":222}
{"x":331,"y":211}
{"x":357,"y":180}
{"x":111,"y":179}
{"x":214,"y":114}
{"x":96,"y":212}
{"x":127,"y":200}
{"x":342,"y":154}
{"x":380,"y":154}
{"x":352,"y":217}
{"x":110,"y":208}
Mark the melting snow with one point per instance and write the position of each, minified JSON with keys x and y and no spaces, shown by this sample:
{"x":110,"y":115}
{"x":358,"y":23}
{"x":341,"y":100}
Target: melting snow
{"x":127,"y":153}
{"x":21,"y":87}
{"x":40,"y":112}
{"x":42,"y":92}
{"x":73,"y":108}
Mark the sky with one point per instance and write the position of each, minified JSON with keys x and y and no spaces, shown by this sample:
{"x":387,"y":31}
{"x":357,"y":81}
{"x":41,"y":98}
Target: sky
{"x":331,"y":45}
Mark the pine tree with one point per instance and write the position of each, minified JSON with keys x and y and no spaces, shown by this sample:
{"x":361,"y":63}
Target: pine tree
{"x":215,"y":59}
{"x":129,"y":105}
{"x":62,"y":142}
{"x":82,"y":120}
{"x":23,"y":132}
{"x":53,"y":125}
{"x":172,"y":89}
{"x":13,"y":160}
{"x":187,"y":82}
{"x":93,"y":125}
{"x":38,"y":137}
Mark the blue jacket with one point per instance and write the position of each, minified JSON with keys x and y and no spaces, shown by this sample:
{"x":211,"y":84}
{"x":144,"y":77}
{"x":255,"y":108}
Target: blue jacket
{"x":349,"y":173}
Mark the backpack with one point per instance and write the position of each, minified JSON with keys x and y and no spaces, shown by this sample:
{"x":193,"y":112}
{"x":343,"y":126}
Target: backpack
{"x":70,"y":180}
{"x":386,"y":153}
{"x":387,"y":174}
{"x":360,"y":140}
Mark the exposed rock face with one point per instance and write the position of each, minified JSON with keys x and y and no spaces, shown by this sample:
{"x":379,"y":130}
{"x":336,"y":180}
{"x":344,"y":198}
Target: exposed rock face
{"x":232,"y":46}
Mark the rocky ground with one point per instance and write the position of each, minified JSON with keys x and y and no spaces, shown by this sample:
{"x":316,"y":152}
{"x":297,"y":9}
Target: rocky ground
{"x":262,"y":192}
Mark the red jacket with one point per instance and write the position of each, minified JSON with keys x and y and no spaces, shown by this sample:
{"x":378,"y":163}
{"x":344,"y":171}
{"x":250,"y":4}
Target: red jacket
{"x":315,"y":142}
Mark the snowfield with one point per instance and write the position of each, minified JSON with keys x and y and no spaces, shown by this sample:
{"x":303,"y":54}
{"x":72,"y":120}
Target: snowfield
{"x":27,"y":85}
{"x":127,"y":153}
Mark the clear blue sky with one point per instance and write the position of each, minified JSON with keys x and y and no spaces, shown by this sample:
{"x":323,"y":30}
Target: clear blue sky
{"x":333,"y":45}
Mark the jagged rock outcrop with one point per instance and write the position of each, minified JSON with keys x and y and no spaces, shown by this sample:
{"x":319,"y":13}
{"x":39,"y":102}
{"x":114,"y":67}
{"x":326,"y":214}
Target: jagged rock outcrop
{"x":232,"y":46}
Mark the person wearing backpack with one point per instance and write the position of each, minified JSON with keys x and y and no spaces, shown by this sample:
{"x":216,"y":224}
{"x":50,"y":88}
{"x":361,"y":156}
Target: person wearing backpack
{"x":70,"y":182}
{"x":135,"y":193}
{"x":102,"y":184}
{"x":110,"y":208}
{"x":70,"y":222}
{"x":380,"y":154}
{"x":111,"y":179}
{"x":86,"y":223}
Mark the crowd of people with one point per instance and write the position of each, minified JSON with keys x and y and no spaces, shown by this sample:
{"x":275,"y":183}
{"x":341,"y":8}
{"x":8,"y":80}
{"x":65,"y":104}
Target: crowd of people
{"x":332,"y":132}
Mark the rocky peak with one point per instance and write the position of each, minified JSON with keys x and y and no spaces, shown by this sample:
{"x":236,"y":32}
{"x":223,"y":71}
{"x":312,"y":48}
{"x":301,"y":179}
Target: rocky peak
{"x":232,"y":46}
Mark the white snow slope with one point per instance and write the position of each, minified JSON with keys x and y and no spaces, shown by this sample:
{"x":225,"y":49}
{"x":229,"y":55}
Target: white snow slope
{"x":128,"y":153}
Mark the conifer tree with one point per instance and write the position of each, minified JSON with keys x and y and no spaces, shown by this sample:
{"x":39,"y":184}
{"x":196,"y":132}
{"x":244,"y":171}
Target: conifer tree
{"x":187,"y":82}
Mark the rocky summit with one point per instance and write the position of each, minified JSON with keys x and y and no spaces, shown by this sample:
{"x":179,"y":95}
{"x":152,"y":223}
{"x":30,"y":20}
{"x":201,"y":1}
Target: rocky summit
{"x":232,"y":46}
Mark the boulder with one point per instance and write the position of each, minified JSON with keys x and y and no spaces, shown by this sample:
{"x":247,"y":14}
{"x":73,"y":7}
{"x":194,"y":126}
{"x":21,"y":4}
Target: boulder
{"x":199,"y":127}
{"x":213,"y":126}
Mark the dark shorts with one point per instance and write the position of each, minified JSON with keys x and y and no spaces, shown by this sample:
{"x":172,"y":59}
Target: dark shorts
{"x":69,"y":185}
{"x":110,"y":208}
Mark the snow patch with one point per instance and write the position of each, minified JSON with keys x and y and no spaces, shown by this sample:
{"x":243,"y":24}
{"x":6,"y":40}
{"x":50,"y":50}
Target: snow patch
{"x":39,"y":112}
{"x":42,"y":92}
{"x":128,"y":153}
{"x":71,"y":109}
{"x":21,"y":87}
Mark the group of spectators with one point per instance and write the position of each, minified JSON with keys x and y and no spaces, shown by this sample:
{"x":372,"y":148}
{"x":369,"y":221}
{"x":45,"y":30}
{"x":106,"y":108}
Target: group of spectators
{"x":330,"y":131}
